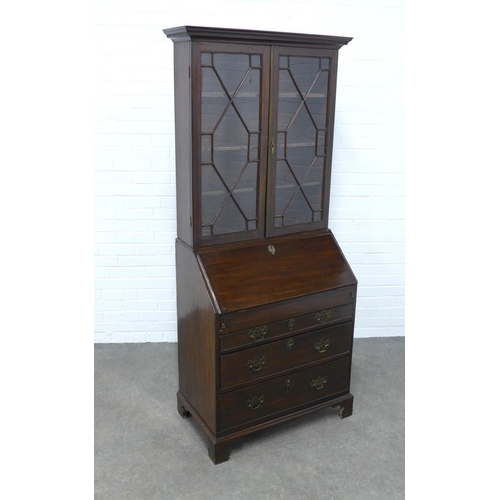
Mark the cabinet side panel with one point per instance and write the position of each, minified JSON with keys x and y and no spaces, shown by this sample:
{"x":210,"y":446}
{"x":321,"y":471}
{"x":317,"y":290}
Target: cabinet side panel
{"x":183,"y":141}
{"x":196,"y":337}
{"x":330,"y":126}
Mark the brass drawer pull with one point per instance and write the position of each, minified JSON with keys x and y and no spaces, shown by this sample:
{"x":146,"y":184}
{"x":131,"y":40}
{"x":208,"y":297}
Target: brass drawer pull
{"x":257,"y":334}
{"x":255,"y":402}
{"x":319,"y":382}
{"x":290,"y":343}
{"x":324,"y":316}
{"x":256,"y":364}
{"x":322,"y":345}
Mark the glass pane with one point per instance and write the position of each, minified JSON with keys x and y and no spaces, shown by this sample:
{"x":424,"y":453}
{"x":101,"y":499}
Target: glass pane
{"x":280,"y":145}
{"x":302,"y":107}
{"x":246,"y":101}
{"x":317,"y":100}
{"x":299,"y":211}
{"x":206,"y":59}
{"x":304,"y":71}
{"x":230,"y":147}
{"x":255,"y":61}
{"x":230,"y":123}
{"x":214,"y":194}
{"x":213,"y":100}
{"x":312,"y":186}
{"x":285,"y":187}
{"x":230,"y":219}
{"x":206,"y":149}
{"x":231,"y":69}
{"x":244,"y":192}
{"x":253,"y":152}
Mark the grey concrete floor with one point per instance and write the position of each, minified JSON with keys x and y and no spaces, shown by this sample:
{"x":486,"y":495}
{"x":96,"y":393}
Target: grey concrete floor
{"x":145,"y":451}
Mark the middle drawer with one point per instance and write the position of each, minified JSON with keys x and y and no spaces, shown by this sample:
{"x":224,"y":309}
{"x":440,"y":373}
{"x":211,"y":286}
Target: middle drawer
{"x":286,"y":354}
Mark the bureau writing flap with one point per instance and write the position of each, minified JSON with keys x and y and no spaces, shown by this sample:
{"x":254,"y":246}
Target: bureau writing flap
{"x":253,"y":274}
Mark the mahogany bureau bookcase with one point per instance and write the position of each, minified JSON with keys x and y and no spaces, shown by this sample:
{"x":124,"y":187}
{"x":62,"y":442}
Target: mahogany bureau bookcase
{"x":265,"y":296}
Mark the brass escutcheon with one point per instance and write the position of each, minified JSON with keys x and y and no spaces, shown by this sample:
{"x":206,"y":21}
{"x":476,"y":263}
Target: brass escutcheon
{"x":319,"y":382}
{"x":322,"y":345}
{"x":288,"y":387}
{"x":255,"y":402}
{"x":290,"y":343}
{"x":256,"y":364}
{"x":257,"y":334}
{"x":271,"y":249}
{"x":324,"y":316}
{"x":291,"y":324}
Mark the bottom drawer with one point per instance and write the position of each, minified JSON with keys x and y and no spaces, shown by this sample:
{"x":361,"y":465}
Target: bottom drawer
{"x":280,"y":394}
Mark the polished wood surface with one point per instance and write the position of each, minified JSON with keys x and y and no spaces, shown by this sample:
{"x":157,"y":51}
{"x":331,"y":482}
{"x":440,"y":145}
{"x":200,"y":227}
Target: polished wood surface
{"x":283,"y":393}
{"x":197,"y":343}
{"x":244,"y":276}
{"x":183,"y":142}
{"x":285,"y":355}
{"x":183,"y":33}
{"x":287,"y":309}
{"x":262,"y":334}
{"x":265,"y":297}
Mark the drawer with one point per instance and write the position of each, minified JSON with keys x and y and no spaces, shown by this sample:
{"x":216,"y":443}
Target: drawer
{"x":272,"y":358}
{"x":263,"y":333}
{"x":279,"y":395}
{"x":280,"y":311}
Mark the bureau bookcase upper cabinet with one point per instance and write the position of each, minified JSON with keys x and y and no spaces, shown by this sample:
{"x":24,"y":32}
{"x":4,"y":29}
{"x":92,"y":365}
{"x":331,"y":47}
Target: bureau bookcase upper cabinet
{"x":255,"y":134}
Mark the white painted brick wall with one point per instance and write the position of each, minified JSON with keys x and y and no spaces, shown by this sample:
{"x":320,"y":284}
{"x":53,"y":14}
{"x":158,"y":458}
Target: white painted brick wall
{"x":135,"y":158}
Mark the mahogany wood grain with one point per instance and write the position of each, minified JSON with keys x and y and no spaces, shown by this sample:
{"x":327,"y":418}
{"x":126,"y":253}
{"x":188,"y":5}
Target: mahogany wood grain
{"x":237,"y":407}
{"x":264,"y":361}
{"x":183,"y":33}
{"x":261,"y":334}
{"x":252,"y":275}
{"x":293,"y":282}
{"x":197,"y":344}
{"x":286,"y":310}
{"x":183,"y":141}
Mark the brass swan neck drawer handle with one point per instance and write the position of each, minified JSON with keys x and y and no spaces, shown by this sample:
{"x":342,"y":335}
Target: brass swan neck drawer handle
{"x":257,"y":334}
{"x":318,"y":383}
{"x":255,"y":402}
{"x":256,"y":364}
{"x":322,"y":345}
{"x":324,"y":316}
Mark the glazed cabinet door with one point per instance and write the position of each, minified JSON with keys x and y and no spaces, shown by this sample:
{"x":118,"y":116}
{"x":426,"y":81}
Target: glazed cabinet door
{"x":230,"y":129}
{"x":301,"y":135}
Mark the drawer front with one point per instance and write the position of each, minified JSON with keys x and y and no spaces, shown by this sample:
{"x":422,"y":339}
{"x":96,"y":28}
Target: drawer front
{"x":263,"y":333}
{"x":283,"y":393}
{"x":286,"y":354}
{"x":280,"y":311}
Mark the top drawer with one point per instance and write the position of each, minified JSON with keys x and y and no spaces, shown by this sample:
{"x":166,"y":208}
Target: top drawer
{"x":285,"y":310}
{"x":293,"y":325}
